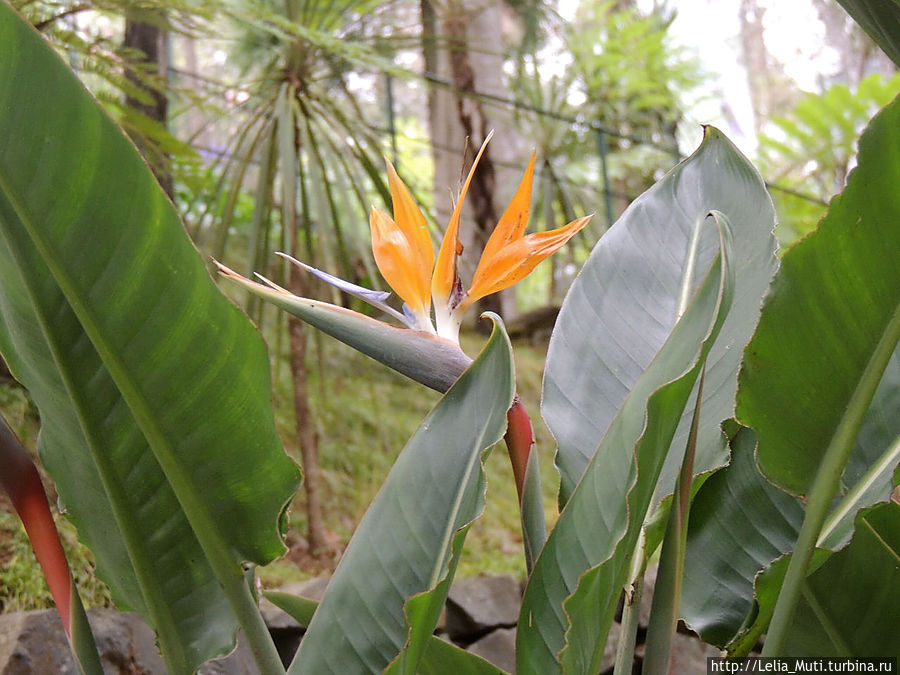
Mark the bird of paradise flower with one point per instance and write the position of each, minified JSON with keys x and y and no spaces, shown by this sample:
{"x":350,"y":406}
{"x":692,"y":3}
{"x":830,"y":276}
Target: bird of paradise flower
{"x":404,"y":254}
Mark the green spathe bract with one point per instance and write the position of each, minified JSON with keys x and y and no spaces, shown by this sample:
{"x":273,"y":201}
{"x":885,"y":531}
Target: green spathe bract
{"x":423,"y":357}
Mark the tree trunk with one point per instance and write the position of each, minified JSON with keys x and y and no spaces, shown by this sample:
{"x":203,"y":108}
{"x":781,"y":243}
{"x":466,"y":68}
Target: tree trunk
{"x":461,"y":46}
{"x":144,"y":36}
{"x":475,"y":126}
{"x":430,"y":58}
{"x":771,"y":91}
{"x":860,"y":56}
{"x":196,"y":127}
{"x":306,"y":431}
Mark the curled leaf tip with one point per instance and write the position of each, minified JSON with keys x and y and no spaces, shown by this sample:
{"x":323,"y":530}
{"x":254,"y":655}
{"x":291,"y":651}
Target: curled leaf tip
{"x":493,"y":317}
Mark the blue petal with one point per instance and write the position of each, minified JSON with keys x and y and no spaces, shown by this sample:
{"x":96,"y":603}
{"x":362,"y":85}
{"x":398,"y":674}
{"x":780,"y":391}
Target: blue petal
{"x":374,"y":298}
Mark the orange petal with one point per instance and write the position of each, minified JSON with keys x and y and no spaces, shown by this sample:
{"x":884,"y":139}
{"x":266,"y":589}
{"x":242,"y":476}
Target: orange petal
{"x":514,"y":220}
{"x":404,"y":244}
{"x":515,"y":261}
{"x":410,"y":220}
{"x":404,"y":264}
{"x":445,"y":269}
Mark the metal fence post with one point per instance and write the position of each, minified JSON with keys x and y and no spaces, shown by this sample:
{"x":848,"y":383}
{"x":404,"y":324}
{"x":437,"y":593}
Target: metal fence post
{"x":389,"y":110}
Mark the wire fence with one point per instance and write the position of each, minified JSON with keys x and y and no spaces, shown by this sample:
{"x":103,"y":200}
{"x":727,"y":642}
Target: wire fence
{"x":602,"y":135}
{"x":601,"y":132}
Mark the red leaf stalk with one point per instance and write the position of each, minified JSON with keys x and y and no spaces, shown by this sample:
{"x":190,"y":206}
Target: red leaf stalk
{"x":22,"y":482}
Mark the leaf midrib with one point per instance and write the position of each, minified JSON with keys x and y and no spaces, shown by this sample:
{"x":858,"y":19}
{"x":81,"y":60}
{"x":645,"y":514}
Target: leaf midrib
{"x":141,"y":562}
{"x":200,"y":519}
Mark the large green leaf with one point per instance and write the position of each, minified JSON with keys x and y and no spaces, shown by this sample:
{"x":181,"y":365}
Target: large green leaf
{"x":153,"y":389}
{"x":881,"y":20}
{"x":851,"y":604}
{"x":827,"y":333}
{"x":767,"y":587}
{"x":832,"y":308}
{"x":624,"y":302}
{"x":740,"y":523}
{"x":387,"y":592}
{"x":573,"y":591}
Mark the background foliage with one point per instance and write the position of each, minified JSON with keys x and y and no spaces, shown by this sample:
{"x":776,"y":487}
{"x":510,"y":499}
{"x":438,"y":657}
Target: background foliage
{"x":312,"y":96}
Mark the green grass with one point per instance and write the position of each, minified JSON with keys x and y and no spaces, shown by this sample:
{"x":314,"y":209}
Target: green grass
{"x":364,"y":415}
{"x":19,"y":412}
{"x":22,"y":586}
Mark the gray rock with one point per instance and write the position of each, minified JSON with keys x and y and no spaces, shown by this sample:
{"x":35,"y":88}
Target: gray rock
{"x":476,"y":605}
{"x":276,"y":618}
{"x":34,"y":642}
{"x":238,"y":662}
{"x":314,"y":589}
{"x":480,"y":612}
{"x":688,"y":654}
{"x":285,"y":630}
{"x":125,"y":642}
{"x":647,"y":596}
{"x":498,"y":647}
